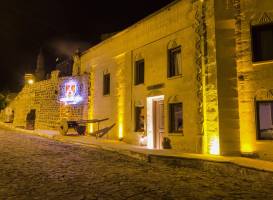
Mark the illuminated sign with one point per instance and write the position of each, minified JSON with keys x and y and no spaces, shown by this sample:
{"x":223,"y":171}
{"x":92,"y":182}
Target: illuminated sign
{"x":71,"y":93}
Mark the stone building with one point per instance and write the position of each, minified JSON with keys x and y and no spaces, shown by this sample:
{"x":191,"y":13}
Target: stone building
{"x":48,"y":101}
{"x":189,"y":74}
{"x":196,"y":76}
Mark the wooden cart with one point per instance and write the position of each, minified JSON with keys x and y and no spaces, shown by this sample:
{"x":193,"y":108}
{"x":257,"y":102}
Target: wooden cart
{"x":80,"y":126}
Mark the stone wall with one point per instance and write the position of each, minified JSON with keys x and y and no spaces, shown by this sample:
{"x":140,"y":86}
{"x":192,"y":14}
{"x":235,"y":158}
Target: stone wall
{"x":148,"y":39}
{"x":44,"y":97}
{"x":229,"y":131}
{"x":219,"y":112}
{"x":254,"y":78}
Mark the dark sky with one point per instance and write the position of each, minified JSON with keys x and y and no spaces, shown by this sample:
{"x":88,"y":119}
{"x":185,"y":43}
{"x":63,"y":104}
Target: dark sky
{"x":28,"y":25}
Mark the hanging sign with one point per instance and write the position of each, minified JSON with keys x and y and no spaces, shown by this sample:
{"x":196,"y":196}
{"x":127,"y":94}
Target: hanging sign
{"x":71,"y":93}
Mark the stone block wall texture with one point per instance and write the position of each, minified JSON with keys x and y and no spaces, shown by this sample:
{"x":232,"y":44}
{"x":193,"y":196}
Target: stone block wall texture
{"x":150,"y":40}
{"x":255,"y":78}
{"x":44,"y":97}
{"x":215,"y":38}
{"x":230,"y":56}
{"x":229,"y":129}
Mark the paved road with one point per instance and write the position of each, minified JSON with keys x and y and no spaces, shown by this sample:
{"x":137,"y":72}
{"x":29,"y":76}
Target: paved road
{"x":37,"y":168}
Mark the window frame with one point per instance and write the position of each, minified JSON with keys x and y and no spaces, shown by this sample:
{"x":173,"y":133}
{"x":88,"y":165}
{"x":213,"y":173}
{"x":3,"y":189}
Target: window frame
{"x":170,"y":62}
{"x":137,"y":82}
{"x":252,"y":27}
{"x":106,"y":91}
{"x":257,"y":119}
{"x":171,"y":120}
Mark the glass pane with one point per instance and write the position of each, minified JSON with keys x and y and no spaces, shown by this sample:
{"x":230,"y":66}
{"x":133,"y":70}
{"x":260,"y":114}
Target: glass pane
{"x":176,"y":118}
{"x":177,"y":63}
{"x":139,"y":72}
{"x":106,"y":84}
{"x":178,"y":125}
{"x":265,"y":120}
{"x":174,"y":62}
{"x":262,"y":42}
{"x":139,"y":119}
{"x":266,"y":44}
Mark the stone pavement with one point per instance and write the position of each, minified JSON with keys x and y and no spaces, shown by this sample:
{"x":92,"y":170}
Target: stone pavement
{"x":148,"y":154}
{"x":151,"y":155}
{"x":33,"y":167}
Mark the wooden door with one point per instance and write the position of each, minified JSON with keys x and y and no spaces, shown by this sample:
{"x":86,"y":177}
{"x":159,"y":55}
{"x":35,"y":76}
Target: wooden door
{"x":158,"y":123}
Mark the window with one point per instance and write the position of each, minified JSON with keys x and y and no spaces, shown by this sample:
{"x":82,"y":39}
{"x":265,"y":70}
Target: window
{"x":176,"y":118}
{"x":262,"y":42}
{"x":139,"y":119}
{"x":106,"y":84}
{"x":174,"y":62}
{"x":139,"y":72}
{"x":265,"y":120}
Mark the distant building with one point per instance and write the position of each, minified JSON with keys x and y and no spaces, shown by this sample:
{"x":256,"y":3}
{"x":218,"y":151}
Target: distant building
{"x":65,"y":67}
{"x":40,"y":67}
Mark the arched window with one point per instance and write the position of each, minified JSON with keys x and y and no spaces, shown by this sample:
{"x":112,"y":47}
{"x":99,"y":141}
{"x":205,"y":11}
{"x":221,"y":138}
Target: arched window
{"x":174,"y":59}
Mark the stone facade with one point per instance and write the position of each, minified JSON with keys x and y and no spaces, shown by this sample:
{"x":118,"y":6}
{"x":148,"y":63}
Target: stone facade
{"x":255,"y":79}
{"x":218,"y":111}
{"x":149,"y":40}
{"x":219,"y":83}
{"x":44,"y":98}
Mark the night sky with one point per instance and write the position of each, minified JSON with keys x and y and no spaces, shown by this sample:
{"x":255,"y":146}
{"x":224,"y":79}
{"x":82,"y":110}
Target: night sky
{"x":58,"y":27}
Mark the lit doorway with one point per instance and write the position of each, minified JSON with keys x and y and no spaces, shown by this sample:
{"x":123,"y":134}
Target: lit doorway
{"x":155,"y":121}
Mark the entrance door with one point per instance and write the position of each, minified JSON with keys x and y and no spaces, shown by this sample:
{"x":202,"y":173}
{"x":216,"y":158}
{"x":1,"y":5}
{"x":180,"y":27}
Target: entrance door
{"x":158,"y":107}
{"x":31,"y":116}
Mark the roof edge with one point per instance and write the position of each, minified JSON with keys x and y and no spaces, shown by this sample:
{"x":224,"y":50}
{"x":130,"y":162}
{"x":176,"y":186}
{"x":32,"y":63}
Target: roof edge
{"x":122,"y":32}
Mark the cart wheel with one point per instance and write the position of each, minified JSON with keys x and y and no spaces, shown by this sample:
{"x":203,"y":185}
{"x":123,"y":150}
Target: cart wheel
{"x":80,"y":129}
{"x":63,"y":129}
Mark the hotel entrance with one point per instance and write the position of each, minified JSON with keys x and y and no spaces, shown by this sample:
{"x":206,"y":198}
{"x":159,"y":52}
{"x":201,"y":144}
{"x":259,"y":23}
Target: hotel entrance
{"x":155,"y":121}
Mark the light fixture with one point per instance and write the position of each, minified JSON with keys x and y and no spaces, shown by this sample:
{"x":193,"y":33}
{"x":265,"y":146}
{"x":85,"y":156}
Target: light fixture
{"x":30,"y":81}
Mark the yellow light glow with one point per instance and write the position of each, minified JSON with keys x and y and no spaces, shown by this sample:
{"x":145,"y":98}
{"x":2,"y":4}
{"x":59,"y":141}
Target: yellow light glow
{"x":30,"y":81}
{"x":214,"y":147}
{"x":247,"y":128}
{"x":120,"y":113}
{"x":91,"y":128}
{"x":246,"y":148}
{"x":120,"y":130}
{"x":120,"y":116}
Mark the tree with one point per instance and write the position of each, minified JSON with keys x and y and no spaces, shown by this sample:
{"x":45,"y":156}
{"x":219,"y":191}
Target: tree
{"x":3,"y":101}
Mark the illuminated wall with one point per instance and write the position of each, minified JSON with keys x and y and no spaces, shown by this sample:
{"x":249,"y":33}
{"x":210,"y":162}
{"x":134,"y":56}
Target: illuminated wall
{"x":48,"y":98}
{"x":148,"y":39}
{"x":90,"y":114}
{"x":216,"y":50}
{"x":41,"y":96}
{"x":205,"y":20}
{"x":227,"y":88}
{"x":120,"y":91}
{"x":254,"y":79}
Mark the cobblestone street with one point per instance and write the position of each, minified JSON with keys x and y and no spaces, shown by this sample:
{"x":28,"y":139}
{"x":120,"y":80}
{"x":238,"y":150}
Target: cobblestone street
{"x":37,"y":168}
